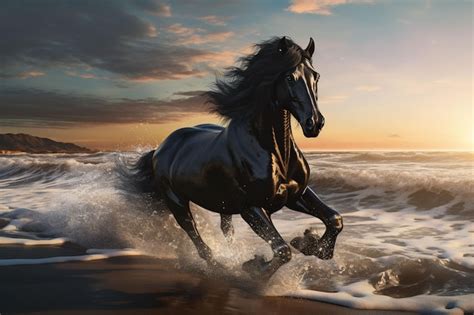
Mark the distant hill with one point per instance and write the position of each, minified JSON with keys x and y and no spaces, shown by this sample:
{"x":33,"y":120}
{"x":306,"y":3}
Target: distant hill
{"x":21,"y":142}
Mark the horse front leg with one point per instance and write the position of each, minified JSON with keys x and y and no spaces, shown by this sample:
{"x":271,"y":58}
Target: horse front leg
{"x":262,"y":225}
{"x":310,"y":244}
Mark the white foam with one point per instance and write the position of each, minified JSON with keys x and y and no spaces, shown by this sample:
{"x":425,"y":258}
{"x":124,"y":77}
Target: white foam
{"x":360,"y":295}
{"x":422,"y":235}
{"x":85,"y":206}
{"x":31,"y":242}
{"x":94,"y":254}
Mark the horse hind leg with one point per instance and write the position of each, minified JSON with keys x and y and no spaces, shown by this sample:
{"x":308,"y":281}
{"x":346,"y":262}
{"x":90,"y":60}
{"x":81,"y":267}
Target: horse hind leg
{"x":262,"y":225}
{"x":184,"y":217}
{"x":227,"y":227}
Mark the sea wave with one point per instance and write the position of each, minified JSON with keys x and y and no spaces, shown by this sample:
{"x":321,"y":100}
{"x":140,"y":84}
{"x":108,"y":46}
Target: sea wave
{"x":397,"y":183}
{"x":407,"y":238}
{"x":418,"y":180}
{"x":397,"y":156}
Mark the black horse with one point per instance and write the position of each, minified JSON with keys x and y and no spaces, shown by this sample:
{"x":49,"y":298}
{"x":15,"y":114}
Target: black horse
{"x":253,"y":166}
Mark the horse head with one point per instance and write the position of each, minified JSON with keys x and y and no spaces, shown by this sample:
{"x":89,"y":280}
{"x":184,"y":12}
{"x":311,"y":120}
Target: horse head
{"x":297,"y":90}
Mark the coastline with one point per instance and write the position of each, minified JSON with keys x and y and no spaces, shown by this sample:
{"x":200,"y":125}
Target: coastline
{"x":53,"y":202}
{"x":134,"y":284}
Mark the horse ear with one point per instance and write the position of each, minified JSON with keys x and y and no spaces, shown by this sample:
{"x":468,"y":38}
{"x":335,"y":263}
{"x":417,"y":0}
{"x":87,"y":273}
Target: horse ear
{"x":283,"y":45}
{"x":310,"y":49}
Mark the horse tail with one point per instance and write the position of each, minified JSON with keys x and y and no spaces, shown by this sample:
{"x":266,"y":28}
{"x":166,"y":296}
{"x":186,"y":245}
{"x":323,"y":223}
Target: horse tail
{"x":142,"y":173}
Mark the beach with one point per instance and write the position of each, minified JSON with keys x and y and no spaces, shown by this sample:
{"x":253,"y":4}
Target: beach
{"x":134,"y":285}
{"x":75,"y":240}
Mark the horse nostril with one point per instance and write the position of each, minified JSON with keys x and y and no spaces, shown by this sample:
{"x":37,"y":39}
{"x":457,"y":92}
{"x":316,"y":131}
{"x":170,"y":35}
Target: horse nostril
{"x":322,"y":122}
{"x":310,"y":123}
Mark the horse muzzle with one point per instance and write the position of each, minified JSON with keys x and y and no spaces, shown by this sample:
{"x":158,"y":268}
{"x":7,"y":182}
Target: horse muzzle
{"x":311,"y":129}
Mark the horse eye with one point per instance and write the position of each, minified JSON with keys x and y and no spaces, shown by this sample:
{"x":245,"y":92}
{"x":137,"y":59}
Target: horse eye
{"x":289,"y":78}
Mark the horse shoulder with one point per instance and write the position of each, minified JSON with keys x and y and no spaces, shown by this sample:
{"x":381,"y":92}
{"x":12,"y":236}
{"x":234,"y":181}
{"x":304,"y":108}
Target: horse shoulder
{"x":300,"y":169}
{"x":253,"y":161}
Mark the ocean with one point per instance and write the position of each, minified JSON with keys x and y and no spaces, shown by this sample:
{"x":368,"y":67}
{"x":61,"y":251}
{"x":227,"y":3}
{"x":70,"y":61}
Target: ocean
{"x":407,"y":242}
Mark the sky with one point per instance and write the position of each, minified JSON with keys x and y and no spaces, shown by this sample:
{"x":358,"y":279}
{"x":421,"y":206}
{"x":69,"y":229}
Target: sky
{"x":114,"y":75}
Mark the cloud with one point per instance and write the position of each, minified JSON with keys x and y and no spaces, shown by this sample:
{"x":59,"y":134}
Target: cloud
{"x":394,"y":135}
{"x":21,"y":107}
{"x":31,"y":74}
{"x":368,"y":88}
{"x":321,"y":7}
{"x":154,"y":7}
{"x":197,"y":36}
{"x":81,"y":75}
{"x":333,"y":99}
{"x":21,"y":75}
{"x":198,"y":39}
{"x":181,"y":30}
{"x":214,"y":20}
{"x":101,"y":35}
{"x":152,"y":31}
{"x":220,"y":59}
{"x":188,"y":93}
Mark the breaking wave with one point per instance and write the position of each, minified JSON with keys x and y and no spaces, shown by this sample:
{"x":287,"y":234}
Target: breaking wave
{"x":407,"y":242}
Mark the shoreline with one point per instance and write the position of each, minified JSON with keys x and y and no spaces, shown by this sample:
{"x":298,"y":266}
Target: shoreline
{"x":135,"y":284}
{"x":423,"y":263}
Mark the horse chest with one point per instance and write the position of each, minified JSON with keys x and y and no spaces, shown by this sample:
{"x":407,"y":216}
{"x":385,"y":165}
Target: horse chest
{"x":280,"y":188}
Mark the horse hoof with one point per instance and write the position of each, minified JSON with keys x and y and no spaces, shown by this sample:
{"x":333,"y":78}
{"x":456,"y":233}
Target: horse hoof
{"x":312,"y":245}
{"x":298,"y":243}
{"x":323,"y":254}
{"x":308,"y":243}
{"x":257,"y":263}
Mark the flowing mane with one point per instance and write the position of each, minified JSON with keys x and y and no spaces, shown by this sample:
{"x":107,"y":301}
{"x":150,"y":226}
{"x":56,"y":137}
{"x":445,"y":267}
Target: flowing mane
{"x":244,"y":91}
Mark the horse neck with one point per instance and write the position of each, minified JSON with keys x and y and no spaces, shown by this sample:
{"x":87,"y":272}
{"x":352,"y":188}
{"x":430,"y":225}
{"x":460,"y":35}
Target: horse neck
{"x":274,"y":133}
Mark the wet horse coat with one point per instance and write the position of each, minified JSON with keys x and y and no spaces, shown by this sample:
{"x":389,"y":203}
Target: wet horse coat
{"x":253,"y":166}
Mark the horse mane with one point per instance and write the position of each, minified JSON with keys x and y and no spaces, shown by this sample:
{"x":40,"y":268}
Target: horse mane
{"x":245,"y":91}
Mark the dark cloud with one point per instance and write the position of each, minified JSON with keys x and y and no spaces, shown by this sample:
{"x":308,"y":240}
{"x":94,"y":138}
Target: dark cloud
{"x":106,"y":35}
{"x":188,"y":93}
{"x":154,"y":7}
{"x":202,"y":8}
{"x":38,"y":108}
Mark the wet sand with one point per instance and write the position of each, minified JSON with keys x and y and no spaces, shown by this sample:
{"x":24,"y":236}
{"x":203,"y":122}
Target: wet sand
{"x":134,"y":285}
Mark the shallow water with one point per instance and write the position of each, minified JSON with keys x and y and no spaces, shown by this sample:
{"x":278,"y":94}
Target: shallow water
{"x":407,"y":242}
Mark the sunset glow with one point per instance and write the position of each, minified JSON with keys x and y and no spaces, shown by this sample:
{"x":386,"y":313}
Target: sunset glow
{"x":394,"y":74}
